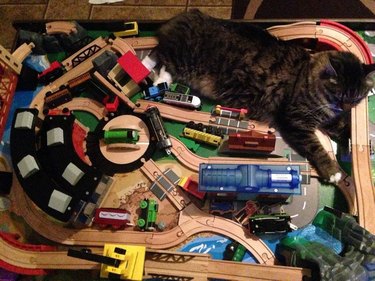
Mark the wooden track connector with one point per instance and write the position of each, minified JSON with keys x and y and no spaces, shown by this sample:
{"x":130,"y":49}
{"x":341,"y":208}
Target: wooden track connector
{"x":14,"y":60}
{"x":57,"y":27}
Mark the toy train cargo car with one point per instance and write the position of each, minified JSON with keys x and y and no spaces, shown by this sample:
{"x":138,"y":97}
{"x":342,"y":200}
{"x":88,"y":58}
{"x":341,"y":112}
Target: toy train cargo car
{"x":179,"y":88}
{"x":60,"y":97}
{"x":201,"y":136}
{"x":229,"y":112}
{"x":209,"y":129}
{"x":246,"y":178}
{"x":52,"y":73}
{"x":130,"y":29}
{"x":270,"y":224}
{"x":115,"y":218}
{"x":234,"y":251}
{"x":252,"y":141}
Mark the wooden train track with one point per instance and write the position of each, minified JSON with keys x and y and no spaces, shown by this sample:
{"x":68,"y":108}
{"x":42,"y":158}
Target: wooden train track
{"x":185,"y":115}
{"x":192,"y":221}
{"x":57,"y":27}
{"x":157,"y":263}
{"x":178,"y":199}
{"x":344,"y":39}
{"x":94,"y":46}
{"x":85,"y":104}
{"x":192,"y":161}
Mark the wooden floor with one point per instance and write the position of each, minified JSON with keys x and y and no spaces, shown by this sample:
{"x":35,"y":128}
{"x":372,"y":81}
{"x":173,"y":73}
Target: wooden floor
{"x":11,"y":10}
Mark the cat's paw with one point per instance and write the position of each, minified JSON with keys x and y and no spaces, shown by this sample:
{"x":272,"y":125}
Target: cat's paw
{"x":164,"y":76}
{"x":335,"y":178}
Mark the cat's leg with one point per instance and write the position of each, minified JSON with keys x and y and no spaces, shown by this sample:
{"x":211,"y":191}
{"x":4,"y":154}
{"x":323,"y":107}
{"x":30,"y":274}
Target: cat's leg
{"x":339,"y":130}
{"x":164,"y":76}
{"x":306,"y":143}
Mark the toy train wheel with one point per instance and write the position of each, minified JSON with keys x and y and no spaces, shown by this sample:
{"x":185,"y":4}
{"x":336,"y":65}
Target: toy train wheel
{"x":116,"y":227}
{"x":141,"y":223}
{"x":102,"y":226}
{"x":190,"y":125}
{"x":210,"y":130}
{"x":200,"y":127}
{"x":143,"y":204}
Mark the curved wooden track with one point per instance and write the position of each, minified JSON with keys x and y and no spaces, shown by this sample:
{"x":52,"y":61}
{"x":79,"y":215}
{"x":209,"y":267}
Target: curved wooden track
{"x":192,"y":220}
{"x":344,"y":39}
{"x":185,"y":115}
{"x":157,"y":263}
{"x":85,"y":104}
{"x":57,"y":27}
{"x":192,"y":161}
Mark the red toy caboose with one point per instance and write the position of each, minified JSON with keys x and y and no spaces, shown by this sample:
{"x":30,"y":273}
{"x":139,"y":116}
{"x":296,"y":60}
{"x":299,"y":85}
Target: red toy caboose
{"x":116,"y":218}
{"x":252,"y":141}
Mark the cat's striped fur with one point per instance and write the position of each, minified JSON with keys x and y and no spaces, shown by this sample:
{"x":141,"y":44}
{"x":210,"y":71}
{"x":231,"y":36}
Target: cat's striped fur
{"x":240,"y":65}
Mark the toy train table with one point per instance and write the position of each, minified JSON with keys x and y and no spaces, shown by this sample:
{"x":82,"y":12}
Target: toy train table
{"x":112,"y":177}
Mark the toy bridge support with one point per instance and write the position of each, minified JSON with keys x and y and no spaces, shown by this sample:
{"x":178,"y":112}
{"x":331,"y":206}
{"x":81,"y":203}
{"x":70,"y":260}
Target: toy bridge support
{"x":14,"y":60}
{"x":10,"y":67}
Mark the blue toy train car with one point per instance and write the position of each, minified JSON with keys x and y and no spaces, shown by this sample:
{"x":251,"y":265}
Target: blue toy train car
{"x":246,"y":178}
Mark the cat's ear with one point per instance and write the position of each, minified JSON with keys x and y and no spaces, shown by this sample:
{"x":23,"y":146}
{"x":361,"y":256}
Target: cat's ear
{"x":369,"y":70}
{"x":328,"y":71}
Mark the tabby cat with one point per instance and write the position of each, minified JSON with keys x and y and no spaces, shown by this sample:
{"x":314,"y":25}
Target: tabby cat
{"x":240,"y":65}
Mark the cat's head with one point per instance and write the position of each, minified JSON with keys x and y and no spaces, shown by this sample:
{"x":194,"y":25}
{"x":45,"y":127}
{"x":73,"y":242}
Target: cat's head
{"x":342,"y":78}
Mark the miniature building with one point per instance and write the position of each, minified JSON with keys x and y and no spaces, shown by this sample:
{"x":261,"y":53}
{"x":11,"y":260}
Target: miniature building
{"x":105,"y":62}
{"x":28,"y":166}
{"x":123,"y":81}
{"x":72,"y":174}
{"x":59,"y":201}
{"x":24,"y":120}
{"x":133,"y":67}
{"x":55,"y":136}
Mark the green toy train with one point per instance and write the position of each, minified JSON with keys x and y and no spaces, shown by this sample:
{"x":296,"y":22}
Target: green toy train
{"x":147,"y":219}
{"x":120,"y":135}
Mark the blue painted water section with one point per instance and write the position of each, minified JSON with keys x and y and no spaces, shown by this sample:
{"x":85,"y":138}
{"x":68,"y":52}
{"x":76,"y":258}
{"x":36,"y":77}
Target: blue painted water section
{"x":215,"y":245}
{"x":20,"y":99}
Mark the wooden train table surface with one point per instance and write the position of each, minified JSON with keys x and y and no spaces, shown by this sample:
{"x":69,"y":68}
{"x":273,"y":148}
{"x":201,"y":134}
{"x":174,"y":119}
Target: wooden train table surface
{"x":83,"y":141}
